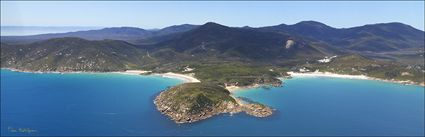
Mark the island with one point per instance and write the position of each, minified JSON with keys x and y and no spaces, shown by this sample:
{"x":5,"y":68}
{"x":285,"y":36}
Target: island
{"x":191,"y":102}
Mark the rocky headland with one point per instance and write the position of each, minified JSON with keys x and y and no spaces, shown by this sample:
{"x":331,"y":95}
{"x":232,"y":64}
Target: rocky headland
{"x":191,"y":102}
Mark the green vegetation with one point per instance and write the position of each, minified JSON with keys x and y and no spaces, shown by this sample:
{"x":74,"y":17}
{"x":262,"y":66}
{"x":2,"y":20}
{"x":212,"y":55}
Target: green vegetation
{"x":191,"y":102}
{"x":227,"y":55}
{"x":243,"y":75}
{"x":359,"y":65}
{"x":194,"y":98}
{"x":226,"y":72}
{"x":222,"y":56}
{"x":72,"y":54}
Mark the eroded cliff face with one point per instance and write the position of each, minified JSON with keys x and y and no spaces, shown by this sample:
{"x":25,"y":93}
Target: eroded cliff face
{"x":289,"y":43}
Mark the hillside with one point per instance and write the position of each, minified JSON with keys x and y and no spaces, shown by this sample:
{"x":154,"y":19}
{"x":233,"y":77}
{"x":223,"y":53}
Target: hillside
{"x":383,"y":41}
{"x":130,"y":34}
{"x":71,"y":54}
{"x":360,"y":65}
{"x":373,"y":37}
{"x":192,"y":102}
{"x":213,"y":40}
{"x":307,"y":39}
{"x":228,"y":55}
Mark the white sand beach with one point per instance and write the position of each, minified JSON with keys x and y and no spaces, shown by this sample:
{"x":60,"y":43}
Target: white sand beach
{"x":327,"y":74}
{"x":185,"y":78}
{"x":133,"y":72}
{"x":310,"y":74}
{"x":232,"y":88}
{"x":238,"y":88}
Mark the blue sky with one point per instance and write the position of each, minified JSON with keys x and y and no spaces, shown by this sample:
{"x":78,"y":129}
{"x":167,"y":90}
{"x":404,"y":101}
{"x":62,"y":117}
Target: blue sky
{"x":236,"y":13}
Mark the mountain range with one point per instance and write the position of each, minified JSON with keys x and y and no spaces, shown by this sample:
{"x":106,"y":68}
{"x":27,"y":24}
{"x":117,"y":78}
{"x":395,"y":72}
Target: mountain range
{"x":71,"y":54}
{"x":376,"y":37}
{"x":127,"y":47}
{"x":130,"y":34}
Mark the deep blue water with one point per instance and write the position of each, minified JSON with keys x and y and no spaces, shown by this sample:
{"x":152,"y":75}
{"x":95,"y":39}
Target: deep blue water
{"x":115,"y":104}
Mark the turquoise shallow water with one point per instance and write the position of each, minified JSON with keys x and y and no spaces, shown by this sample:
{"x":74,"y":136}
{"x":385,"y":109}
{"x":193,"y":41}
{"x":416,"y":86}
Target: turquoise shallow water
{"x":115,"y":104}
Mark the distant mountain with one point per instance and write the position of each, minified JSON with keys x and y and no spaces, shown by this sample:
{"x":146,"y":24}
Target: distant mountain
{"x":175,"y":29}
{"x":116,"y":33}
{"x":308,"y":29}
{"x":373,"y":38}
{"x":164,"y":34}
{"x":72,"y":54}
{"x":34,"y":30}
{"x":383,"y":37}
{"x":208,"y":42}
{"x":215,"y":40}
{"x":211,"y":42}
{"x":129,"y":34}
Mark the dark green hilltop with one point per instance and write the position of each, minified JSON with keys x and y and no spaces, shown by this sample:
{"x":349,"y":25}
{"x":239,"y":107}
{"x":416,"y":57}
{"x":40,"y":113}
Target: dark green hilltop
{"x":129,"y":34}
{"x":71,"y":54}
{"x":220,"y":56}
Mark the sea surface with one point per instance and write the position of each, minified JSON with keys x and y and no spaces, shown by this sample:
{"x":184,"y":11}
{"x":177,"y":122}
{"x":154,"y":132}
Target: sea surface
{"x":118,"y":104}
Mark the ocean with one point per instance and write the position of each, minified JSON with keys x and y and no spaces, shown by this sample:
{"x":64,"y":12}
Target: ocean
{"x":117,"y":104}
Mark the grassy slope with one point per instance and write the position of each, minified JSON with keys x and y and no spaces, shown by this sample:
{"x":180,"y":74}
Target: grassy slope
{"x":72,"y":54}
{"x":196,"y":96}
{"x":244,"y":75}
{"x":221,"y":72}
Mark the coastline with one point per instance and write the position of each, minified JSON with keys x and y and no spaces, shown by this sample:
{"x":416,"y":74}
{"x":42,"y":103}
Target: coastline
{"x":233,"y":89}
{"x":132,"y":72}
{"x":183,"y":77}
{"x":190,"y":79}
{"x":327,"y":74}
{"x":363,"y":77}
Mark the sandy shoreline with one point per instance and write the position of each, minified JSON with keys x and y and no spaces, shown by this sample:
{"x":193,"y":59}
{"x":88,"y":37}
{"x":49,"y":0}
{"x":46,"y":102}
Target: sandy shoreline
{"x":334,"y":75}
{"x":190,"y":79}
{"x":327,"y":74}
{"x":185,"y":78}
{"x":132,"y":72}
{"x":232,"y":89}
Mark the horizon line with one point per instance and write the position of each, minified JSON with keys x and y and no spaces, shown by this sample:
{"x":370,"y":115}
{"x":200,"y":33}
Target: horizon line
{"x":132,"y":26}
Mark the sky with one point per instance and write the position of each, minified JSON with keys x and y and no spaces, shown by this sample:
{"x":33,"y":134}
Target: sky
{"x":150,"y":14}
